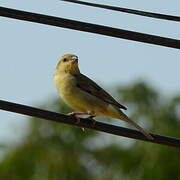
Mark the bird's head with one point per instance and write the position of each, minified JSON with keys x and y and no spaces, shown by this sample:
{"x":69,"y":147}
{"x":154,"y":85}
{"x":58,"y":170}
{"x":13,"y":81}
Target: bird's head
{"x":68,"y":64}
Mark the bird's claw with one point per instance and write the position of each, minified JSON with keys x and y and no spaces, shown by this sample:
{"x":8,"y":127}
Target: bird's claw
{"x":74,"y":114}
{"x":91,"y":116}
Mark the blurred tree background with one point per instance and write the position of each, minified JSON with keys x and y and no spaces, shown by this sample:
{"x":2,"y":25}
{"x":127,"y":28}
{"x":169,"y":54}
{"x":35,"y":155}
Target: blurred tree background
{"x":54,"y":151}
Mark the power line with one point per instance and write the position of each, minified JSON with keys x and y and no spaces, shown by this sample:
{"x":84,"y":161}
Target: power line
{"x":88,"y":27}
{"x":86,"y":123}
{"x":126,"y":10}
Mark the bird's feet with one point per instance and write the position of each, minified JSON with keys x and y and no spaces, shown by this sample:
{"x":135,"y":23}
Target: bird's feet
{"x":74,"y":114}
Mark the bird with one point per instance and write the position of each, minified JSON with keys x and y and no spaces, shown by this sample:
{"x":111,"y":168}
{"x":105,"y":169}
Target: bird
{"x":85,"y":96}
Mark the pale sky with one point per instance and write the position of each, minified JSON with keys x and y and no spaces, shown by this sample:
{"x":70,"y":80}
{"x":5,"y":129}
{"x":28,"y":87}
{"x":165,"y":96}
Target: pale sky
{"x":29,"y":52}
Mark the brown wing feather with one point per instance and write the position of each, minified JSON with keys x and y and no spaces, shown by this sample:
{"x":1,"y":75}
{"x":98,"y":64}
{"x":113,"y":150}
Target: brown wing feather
{"x":91,"y":87}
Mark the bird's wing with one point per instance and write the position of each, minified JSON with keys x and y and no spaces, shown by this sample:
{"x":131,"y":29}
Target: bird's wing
{"x":92,"y":88}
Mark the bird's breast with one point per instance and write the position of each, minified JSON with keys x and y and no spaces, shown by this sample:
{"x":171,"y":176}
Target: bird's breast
{"x":75,"y":97}
{"x":65,"y":84}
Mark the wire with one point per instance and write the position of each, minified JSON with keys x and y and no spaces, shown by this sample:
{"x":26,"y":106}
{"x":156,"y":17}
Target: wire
{"x":86,"y":123}
{"x":88,"y":27}
{"x":126,"y":10}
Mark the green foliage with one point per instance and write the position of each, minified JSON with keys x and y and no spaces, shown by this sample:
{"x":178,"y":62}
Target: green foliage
{"x":53,"y":151}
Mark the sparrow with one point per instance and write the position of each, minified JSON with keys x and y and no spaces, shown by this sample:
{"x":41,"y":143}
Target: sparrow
{"x":84,"y":95}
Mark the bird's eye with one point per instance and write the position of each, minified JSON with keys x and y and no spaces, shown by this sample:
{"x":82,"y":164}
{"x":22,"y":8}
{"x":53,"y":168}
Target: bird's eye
{"x":65,"y":59}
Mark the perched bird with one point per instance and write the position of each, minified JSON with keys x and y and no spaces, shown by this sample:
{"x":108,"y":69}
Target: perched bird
{"x":84,"y":95}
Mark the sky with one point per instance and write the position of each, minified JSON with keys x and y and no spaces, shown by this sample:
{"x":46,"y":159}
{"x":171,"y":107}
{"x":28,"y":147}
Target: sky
{"x":29,"y":52}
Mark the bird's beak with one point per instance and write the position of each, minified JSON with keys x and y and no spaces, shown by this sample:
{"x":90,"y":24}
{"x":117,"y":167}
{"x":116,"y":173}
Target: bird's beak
{"x":74,"y":59}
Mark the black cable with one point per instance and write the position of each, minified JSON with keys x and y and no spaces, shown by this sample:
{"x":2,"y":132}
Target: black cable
{"x":88,"y":27}
{"x":126,"y":10}
{"x":86,"y":123}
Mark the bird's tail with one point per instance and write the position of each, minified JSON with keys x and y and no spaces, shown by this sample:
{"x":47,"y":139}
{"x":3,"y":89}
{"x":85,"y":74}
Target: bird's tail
{"x":125,"y":118}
